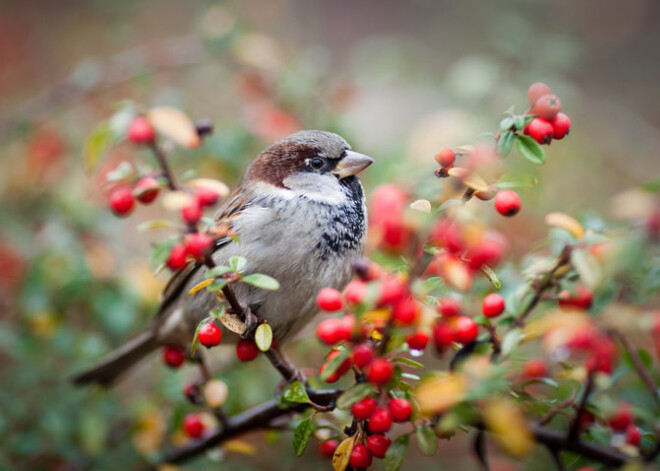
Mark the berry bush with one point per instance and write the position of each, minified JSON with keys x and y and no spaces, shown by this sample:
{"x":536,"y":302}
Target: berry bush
{"x":440,"y":334}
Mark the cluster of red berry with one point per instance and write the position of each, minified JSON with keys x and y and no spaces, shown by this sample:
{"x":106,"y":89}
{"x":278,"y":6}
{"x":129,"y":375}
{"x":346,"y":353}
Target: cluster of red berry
{"x":549,"y":122}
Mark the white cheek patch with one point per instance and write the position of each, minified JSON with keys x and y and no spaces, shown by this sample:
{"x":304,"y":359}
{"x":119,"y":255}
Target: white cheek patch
{"x":316,"y":187}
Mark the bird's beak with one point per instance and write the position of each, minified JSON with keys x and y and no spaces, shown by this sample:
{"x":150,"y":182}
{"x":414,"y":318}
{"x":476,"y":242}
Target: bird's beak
{"x":351,"y":164}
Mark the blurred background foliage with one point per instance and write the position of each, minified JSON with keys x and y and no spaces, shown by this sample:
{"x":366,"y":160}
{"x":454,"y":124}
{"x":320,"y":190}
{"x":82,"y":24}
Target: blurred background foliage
{"x":399,"y":80}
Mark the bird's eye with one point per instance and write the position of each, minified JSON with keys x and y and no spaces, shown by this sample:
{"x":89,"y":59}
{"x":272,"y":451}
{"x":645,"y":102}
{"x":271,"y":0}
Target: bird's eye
{"x":316,"y":163}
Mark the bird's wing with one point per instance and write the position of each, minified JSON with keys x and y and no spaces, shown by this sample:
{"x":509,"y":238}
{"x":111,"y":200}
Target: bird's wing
{"x":236,"y":203}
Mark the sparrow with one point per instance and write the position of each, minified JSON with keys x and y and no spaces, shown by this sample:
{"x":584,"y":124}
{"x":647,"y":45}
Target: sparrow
{"x":299,"y":216}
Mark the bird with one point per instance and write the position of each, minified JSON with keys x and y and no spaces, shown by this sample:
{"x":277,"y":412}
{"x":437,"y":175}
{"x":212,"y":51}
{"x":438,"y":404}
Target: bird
{"x":298,"y":215}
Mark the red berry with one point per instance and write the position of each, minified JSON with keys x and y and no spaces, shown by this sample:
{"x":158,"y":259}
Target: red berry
{"x":380,"y":371}
{"x":400,"y":409}
{"x":363,"y":354}
{"x":378,"y":444}
{"x":329,"y":300}
{"x":445,"y":157}
{"x":207,"y":196}
{"x":449,"y":307}
{"x":209,"y":335}
{"x":122,"y":201}
{"x":561,"y":125}
{"x":417,"y":340}
{"x":177,"y":258}
{"x":246,"y":350}
{"x":633,"y":435}
{"x":363,"y":409}
{"x":622,"y":417}
{"x":443,"y":336}
{"x":507,"y":202}
{"x":534,"y":369}
{"x":391,"y":290}
{"x":328,"y":447}
{"x":339,"y":371}
{"x":493,"y":305}
{"x":174,"y":356}
{"x":465,"y":330}
{"x":536,"y":91}
{"x":581,"y":299}
{"x":380,"y":421}
{"x":603,"y":355}
{"x":198,"y":245}
{"x":547,"y":107}
{"x":328,"y":331}
{"x":360,"y":457}
{"x":540,"y":130}
{"x":355,"y":292}
{"x":193,"y":425}
{"x":193,"y":393}
{"x":140,"y":131}
{"x":192,"y":213}
{"x":146,"y":190}
{"x":487,"y":252}
{"x":405,"y":311}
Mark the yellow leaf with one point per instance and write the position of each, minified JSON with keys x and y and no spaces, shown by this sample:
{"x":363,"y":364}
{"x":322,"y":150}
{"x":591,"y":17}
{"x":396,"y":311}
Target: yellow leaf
{"x":423,"y":206}
{"x":343,"y":454}
{"x":174,"y":124}
{"x":557,"y":327}
{"x":215,"y":185}
{"x":376,"y":316}
{"x":470,"y":179}
{"x":215,"y":392}
{"x":176,"y":200}
{"x":239,"y":446}
{"x":149,"y":431}
{"x":437,"y":394}
{"x":566,"y":222}
{"x":200,"y":286}
{"x":507,"y":422}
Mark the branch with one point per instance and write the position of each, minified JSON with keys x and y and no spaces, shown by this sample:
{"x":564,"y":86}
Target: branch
{"x":257,"y":418}
{"x":558,"y":441}
{"x":637,"y":362}
{"x":546,"y":283}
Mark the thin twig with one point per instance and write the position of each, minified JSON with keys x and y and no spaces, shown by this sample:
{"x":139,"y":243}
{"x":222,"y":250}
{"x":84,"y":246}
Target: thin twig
{"x":637,"y":362}
{"x":574,"y":431}
{"x":546,"y":283}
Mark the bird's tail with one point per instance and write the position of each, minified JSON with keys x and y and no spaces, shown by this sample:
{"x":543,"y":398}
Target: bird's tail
{"x":119,"y":360}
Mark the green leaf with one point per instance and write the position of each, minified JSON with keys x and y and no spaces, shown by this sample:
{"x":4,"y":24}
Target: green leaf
{"x":237,"y":263}
{"x":295,"y":392}
{"x":652,"y":186}
{"x":525,"y":180}
{"x":262,"y":281}
{"x":506,"y":123}
{"x":354,"y":394}
{"x":426,"y":439}
{"x":218,"y":313}
{"x":263,"y":337}
{"x":520,"y":121}
{"x":123,"y":171}
{"x":492,"y":276}
{"x":121,"y":120}
{"x":396,"y":452}
{"x":96,"y":145}
{"x":160,"y":253}
{"x":195,"y":340}
{"x":531,"y":150}
{"x":217,"y":285}
{"x":409,"y":362}
{"x":409,"y":376}
{"x":301,"y":435}
{"x":511,"y":340}
{"x":217,"y":271}
{"x":505,"y":143}
{"x":335,"y":363}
